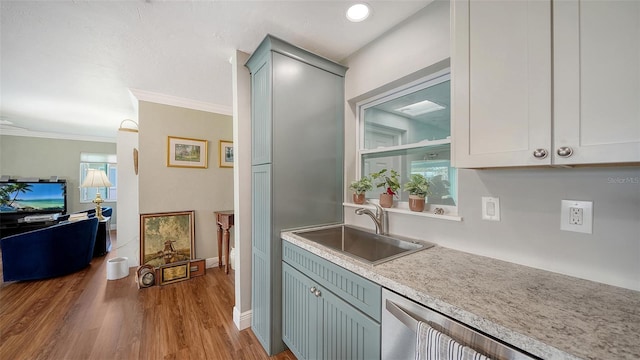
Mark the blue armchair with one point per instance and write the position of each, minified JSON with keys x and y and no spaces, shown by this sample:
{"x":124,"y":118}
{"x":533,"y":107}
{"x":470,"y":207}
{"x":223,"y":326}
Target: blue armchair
{"x":53,"y":251}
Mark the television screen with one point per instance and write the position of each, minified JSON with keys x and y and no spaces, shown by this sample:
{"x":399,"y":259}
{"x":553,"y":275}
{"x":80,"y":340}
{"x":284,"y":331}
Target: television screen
{"x":33,"y":197}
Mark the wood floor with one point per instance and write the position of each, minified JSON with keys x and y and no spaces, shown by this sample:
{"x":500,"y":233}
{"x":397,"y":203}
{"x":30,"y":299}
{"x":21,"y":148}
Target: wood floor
{"x":84,"y":316}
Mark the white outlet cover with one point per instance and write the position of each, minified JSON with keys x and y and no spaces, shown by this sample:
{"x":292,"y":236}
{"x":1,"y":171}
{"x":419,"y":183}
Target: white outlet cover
{"x":490,"y":208}
{"x":587,"y":216}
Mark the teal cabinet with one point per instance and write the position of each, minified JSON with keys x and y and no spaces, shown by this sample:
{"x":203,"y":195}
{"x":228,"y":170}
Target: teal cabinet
{"x":319,"y":324}
{"x":297,"y":120}
{"x":301,"y":316}
{"x":262,"y":115}
{"x":261,"y":298}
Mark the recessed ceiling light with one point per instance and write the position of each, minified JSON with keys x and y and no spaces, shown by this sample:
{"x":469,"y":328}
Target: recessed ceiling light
{"x":420,"y":108}
{"x":358,"y":12}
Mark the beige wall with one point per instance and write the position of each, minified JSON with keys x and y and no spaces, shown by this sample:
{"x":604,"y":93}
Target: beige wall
{"x":529,"y":232}
{"x":166,"y":189}
{"x":22,"y":156}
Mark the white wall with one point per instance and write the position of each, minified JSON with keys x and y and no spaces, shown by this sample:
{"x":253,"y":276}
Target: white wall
{"x":529,"y":231}
{"x":128,"y":209}
{"x":167,"y":189}
{"x":242,"y":184}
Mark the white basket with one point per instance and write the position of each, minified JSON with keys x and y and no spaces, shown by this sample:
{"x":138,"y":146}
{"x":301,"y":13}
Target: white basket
{"x":117,"y":268}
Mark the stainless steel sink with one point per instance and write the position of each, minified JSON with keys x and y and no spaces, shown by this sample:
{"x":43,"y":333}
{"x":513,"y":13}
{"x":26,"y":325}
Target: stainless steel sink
{"x":364,"y":245}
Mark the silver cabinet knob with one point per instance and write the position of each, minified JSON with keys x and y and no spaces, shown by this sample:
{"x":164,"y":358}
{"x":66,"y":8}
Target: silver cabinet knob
{"x":540,"y":153}
{"x":312,"y":290}
{"x":317,"y":293}
{"x":564,"y":151}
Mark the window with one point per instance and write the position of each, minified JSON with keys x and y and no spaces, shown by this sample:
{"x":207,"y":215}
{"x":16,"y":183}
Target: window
{"x":106,"y":163}
{"x":409,"y":130}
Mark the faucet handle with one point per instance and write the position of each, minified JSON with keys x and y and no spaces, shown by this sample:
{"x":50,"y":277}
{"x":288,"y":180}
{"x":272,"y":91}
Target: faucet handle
{"x":379,"y":209}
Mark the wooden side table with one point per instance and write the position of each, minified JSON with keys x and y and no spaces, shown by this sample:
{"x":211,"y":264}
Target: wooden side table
{"x":224,"y":219}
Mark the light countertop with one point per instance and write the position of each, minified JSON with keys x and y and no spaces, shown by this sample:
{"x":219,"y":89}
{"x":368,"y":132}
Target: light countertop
{"x":549,"y":315}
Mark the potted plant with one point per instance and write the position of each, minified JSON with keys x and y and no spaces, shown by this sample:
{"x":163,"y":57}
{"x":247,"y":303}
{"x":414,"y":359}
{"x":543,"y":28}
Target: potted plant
{"x":390,"y":182}
{"x":418,"y":188}
{"x":360,"y":187}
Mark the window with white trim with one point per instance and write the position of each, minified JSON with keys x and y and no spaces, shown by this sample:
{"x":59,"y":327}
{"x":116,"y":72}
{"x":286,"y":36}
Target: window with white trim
{"x":106,"y":163}
{"x":408,"y":129}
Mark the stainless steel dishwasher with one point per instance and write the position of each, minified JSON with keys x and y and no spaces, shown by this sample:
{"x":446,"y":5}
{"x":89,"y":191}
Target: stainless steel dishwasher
{"x":400,"y":318}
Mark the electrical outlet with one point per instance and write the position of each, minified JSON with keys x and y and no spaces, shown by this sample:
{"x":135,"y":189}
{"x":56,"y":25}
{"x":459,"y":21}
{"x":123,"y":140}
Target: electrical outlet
{"x":577,"y":216}
{"x":490,"y":208}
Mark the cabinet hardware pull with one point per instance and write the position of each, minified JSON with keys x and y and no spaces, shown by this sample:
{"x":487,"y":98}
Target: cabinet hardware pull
{"x":318,"y":293}
{"x":312,"y":290}
{"x":540,"y":153}
{"x":565,"y":151}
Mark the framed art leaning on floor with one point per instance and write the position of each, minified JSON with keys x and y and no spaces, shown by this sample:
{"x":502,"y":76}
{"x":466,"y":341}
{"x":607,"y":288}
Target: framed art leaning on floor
{"x":167,"y":238}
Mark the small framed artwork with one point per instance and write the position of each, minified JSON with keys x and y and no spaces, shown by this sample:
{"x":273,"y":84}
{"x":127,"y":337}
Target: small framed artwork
{"x":167,"y":238}
{"x":226,"y":154}
{"x":175,"y":272}
{"x":196,"y":267}
{"x":185,"y":152}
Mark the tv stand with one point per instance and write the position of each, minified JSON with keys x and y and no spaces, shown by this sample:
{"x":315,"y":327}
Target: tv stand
{"x":19,"y":227}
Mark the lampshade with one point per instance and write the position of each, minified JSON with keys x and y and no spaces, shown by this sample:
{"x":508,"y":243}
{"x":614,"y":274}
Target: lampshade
{"x":95,"y":179}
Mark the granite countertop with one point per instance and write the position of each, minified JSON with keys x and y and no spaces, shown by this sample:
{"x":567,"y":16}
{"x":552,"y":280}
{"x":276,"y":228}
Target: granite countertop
{"x":549,"y":315}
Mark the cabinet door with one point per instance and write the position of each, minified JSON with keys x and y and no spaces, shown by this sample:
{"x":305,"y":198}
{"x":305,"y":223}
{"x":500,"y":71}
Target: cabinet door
{"x":261,"y":317}
{"x":501,"y":78}
{"x":347,"y":333}
{"x":300,"y":320}
{"x":261,"y":115}
{"x":597,"y":81}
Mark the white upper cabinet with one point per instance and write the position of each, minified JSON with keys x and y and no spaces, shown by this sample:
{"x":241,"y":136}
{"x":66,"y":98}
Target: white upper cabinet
{"x":596,"y":81}
{"x":520,"y":99}
{"x":501,"y":71}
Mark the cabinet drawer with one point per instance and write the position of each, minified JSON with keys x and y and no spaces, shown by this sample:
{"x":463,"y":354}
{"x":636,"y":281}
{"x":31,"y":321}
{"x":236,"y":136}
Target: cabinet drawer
{"x":354,"y":289}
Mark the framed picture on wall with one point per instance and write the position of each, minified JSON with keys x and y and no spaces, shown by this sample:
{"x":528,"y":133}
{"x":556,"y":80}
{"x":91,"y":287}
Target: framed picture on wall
{"x":186,"y":152}
{"x":226,"y":154}
{"x":167,"y":238}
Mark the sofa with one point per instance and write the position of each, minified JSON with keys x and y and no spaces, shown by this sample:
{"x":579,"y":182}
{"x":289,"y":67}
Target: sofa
{"x":57,"y":250}
{"x":106,"y":211}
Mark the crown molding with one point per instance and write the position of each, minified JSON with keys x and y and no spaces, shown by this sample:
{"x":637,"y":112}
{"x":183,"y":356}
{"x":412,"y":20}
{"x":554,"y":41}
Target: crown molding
{"x":142,"y":95}
{"x":58,"y":136}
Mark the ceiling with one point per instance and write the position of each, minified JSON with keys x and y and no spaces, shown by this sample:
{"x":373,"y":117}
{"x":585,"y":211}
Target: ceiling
{"x":66,"y":67}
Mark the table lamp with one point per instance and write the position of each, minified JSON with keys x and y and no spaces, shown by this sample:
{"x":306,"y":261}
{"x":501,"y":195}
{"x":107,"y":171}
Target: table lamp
{"x":97,"y":179}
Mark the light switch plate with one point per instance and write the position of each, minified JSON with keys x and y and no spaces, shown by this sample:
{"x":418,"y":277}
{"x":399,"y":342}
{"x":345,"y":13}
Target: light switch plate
{"x":490,"y":208}
{"x":577,"y":216}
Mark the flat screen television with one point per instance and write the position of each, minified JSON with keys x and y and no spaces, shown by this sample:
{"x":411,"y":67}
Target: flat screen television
{"x":28,"y":198}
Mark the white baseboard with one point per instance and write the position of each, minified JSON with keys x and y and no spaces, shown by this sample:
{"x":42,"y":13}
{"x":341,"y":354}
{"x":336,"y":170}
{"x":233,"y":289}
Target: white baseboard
{"x":211,"y":262}
{"x":243,"y":320}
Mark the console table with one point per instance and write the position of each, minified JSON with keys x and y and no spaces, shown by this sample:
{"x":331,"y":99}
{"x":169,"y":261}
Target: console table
{"x":103,"y":238}
{"x":224,"y":220}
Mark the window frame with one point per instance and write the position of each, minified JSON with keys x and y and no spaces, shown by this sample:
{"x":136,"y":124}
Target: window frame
{"x":109,"y":161}
{"x":451,"y":211}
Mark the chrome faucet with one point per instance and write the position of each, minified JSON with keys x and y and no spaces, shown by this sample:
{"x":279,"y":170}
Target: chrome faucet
{"x":379,"y":218}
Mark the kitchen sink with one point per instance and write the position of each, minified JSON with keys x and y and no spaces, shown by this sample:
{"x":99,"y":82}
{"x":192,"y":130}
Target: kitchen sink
{"x":362,"y":244}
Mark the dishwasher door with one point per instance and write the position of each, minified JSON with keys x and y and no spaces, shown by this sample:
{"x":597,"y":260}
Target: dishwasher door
{"x":400,"y":318}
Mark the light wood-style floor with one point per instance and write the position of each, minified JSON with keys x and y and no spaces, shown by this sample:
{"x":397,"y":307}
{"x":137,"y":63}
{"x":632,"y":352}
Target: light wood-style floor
{"x":84,"y":316}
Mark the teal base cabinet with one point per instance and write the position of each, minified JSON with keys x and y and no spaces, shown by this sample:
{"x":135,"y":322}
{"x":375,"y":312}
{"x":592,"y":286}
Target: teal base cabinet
{"x":318,"y":322}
